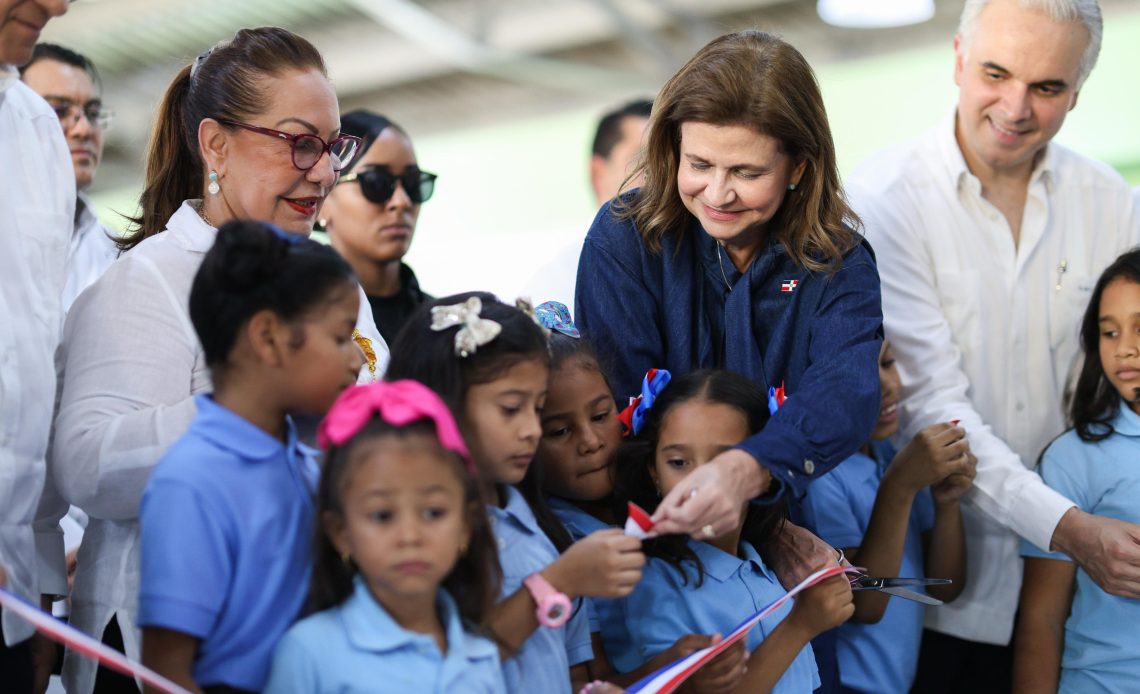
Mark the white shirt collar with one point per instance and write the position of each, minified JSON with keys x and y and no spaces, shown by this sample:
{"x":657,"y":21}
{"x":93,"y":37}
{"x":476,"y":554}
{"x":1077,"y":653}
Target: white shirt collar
{"x":951,"y":153}
{"x":188,"y":230}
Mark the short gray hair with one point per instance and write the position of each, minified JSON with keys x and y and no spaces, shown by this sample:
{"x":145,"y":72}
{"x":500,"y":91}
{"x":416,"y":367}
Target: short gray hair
{"x":1087,"y":12}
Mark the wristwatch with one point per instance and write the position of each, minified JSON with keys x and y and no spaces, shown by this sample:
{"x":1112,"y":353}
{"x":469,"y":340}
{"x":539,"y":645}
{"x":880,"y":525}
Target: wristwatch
{"x":553,"y":607}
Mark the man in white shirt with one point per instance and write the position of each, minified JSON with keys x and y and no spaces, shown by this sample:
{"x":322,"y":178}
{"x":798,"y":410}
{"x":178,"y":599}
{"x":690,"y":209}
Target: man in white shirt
{"x":989,"y":239}
{"x":70,"y":84}
{"x":37,"y":205}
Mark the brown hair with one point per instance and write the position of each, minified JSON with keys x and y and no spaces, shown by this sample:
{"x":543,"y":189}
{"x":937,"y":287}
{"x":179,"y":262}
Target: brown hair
{"x":756,"y":80}
{"x":224,"y":82}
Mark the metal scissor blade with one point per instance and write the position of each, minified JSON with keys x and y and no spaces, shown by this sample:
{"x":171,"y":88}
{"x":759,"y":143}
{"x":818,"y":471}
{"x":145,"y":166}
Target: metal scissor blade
{"x":911,"y":595}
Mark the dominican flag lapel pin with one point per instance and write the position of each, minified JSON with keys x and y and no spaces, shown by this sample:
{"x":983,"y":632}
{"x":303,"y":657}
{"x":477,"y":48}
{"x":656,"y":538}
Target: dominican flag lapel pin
{"x":789,"y":285}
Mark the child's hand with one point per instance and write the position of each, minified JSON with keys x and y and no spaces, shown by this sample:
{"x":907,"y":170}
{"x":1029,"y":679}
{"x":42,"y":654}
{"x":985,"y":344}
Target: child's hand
{"x":935,"y":453}
{"x":605,"y":564}
{"x":722,"y":674}
{"x":951,"y":489}
{"x":824,"y":606}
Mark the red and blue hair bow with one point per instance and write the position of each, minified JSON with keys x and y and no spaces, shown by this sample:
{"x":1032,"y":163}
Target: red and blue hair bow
{"x":633,"y":417}
{"x":776,"y":398}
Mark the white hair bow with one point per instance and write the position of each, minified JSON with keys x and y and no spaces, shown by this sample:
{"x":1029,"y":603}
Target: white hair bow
{"x":475,"y":331}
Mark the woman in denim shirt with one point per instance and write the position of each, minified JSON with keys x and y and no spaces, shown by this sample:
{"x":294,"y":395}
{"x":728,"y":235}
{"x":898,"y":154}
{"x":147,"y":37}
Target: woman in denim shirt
{"x":739,"y":252}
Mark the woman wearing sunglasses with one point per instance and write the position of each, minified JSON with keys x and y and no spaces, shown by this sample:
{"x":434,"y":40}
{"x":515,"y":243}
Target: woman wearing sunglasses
{"x":250,"y":130}
{"x":371,"y":216}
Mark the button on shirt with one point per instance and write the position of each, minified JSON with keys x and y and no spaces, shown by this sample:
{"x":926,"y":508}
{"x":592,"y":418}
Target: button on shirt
{"x":987,"y":333}
{"x":1103,"y":478}
{"x":131,"y":366}
{"x":816,"y":333}
{"x":37,"y":202}
{"x":543,"y":663}
{"x":663,"y":607}
{"x":880,"y":658}
{"x":358,"y":647}
{"x":227,"y":523}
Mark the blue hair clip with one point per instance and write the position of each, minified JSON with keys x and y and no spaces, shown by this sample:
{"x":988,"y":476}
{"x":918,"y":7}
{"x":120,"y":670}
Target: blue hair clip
{"x":553,"y":315}
{"x":633,"y":417}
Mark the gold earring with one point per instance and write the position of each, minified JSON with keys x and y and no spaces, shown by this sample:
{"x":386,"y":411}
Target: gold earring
{"x":463,"y":549}
{"x":346,"y":558}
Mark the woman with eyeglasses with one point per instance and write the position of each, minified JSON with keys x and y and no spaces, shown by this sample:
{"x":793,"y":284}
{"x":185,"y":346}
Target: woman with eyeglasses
{"x":371,"y":217}
{"x":250,"y":130}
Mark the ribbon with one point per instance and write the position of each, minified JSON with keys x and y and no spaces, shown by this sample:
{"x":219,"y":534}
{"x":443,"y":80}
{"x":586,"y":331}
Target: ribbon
{"x":638,"y":523}
{"x":85,"y":645}
{"x":776,"y":398}
{"x":398,"y":403}
{"x":475,"y":331}
{"x":633,"y":416}
{"x":672,"y":676}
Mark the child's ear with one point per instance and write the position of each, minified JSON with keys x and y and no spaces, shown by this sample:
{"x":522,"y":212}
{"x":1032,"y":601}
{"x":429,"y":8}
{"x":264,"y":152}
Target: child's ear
{"x":336,"y":530}
{"x":269,"y":337}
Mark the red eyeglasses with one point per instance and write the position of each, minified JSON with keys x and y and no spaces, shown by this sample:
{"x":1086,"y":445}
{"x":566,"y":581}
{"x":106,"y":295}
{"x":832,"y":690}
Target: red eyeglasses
{"x":308,"y":149}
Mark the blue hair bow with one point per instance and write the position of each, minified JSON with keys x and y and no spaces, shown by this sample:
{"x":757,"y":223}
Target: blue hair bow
{"x":633,"y":417}
{"x":553,"y":315}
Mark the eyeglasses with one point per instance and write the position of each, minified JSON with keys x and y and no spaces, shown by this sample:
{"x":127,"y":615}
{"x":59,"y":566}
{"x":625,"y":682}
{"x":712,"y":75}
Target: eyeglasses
{"x":67,"y":111}
{"x":378,"y":183}
{"x":308,"y":149}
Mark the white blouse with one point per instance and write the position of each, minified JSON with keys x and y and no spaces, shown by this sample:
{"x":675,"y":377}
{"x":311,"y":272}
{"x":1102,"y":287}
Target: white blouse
{"x":131,"y":366}
{"x":37,"y":202}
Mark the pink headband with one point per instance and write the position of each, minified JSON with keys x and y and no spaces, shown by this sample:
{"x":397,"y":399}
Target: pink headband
{"x":398,"y":403}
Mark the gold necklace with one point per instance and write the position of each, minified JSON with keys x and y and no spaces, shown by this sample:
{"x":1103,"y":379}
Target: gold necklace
{"x":206,"y":218}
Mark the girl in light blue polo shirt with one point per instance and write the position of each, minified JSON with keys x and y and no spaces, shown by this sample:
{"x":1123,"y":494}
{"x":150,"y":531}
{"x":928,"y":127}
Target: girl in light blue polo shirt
{"x":405,"y":569}
{"x":227,"y":516}
{"x":712,"y":585}
{"x":581,"y":437}
{"x":1072,"y":636}
{"x":489,"y":362}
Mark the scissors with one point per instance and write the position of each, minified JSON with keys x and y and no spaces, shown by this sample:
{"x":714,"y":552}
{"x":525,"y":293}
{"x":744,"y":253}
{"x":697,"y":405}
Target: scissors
{"x":894,"y":585}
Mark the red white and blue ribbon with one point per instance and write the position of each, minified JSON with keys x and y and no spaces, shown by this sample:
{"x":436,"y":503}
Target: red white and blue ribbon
{"x":668,"y":678}
{"x":85,"y":645}
{"x":638,"y":523}
{"x":776,"y":398}
{"x":632,"y":418}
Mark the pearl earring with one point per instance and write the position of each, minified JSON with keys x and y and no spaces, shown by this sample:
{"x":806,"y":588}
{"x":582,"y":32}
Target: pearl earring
{"x":791,"y":186}
{"x":213,"y":188}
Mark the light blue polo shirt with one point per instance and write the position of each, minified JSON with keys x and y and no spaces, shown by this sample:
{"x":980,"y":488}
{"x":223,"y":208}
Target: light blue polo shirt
{"x":358,"y":647}
{"x":662,"y":609}
{"x":882,"y":657}
{"x":1102,"y":639}
{"x":226,"y":524}
{"x":543,"y":663}
{"x":608,"y":610}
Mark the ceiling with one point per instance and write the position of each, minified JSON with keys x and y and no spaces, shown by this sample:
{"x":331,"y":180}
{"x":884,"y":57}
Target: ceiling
{"x":448,"y":64}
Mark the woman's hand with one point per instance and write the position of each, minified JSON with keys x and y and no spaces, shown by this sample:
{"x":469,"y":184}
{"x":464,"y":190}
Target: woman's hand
{"x":604,"y":564}
{"x":796,"y":553}
{"x":707,"y":502}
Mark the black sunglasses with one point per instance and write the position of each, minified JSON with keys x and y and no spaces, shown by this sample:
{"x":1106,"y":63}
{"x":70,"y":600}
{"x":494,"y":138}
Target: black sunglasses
{"x":378,"y":183}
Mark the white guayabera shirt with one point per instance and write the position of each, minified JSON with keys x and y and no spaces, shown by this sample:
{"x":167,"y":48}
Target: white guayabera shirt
{"x":131,"y":366}
{"x":37,"y":203}
{"x":987,"y":333}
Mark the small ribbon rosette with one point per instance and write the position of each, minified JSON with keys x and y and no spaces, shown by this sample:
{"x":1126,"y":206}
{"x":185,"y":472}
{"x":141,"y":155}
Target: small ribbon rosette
{"x":633,"y":417}
{"x":474,"y":331}
{"x":398,"y":403}
{"x":553,"y":315}
{"x":776,"y":398}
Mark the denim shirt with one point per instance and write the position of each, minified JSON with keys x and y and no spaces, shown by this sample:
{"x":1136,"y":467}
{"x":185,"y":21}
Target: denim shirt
{"x":816,"y":333}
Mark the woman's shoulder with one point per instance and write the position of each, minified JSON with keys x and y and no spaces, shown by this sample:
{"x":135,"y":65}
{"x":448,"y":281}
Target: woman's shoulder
{"x":613,"y":227}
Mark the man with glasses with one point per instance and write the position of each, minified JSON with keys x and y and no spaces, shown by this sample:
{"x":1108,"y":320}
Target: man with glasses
{"x":70,"y":84}
{"x":37,"y":205}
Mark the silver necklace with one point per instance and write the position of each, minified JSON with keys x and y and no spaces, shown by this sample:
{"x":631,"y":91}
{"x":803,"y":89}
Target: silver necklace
{"x":720,"y":264}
